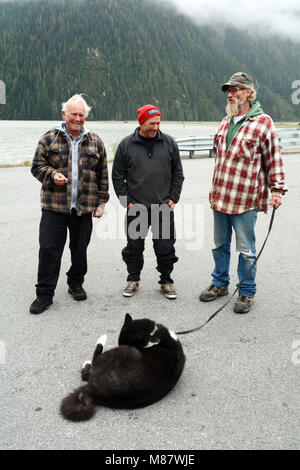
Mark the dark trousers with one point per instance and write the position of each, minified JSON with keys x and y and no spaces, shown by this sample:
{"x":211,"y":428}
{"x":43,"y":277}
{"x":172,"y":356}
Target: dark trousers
{"x":163,"y":235}
{"x":53,"y":235}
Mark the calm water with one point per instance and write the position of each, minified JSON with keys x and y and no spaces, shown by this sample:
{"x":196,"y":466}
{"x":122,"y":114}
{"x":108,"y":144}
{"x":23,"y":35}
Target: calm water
{"x":18,"y":139}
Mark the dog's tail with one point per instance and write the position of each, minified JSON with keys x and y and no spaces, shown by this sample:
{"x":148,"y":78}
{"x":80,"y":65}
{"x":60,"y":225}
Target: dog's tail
{"x":77,"y":406}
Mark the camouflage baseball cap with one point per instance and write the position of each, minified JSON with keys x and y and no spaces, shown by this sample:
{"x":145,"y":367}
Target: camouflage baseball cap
{"x":239,"y":78}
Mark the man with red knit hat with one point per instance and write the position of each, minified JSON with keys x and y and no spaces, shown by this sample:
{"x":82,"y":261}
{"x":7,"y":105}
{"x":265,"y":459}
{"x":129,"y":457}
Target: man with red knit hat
{"x":147,"y":177}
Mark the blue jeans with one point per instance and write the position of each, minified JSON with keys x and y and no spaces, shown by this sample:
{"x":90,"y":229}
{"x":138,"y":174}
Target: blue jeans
{"x":243,"y":225}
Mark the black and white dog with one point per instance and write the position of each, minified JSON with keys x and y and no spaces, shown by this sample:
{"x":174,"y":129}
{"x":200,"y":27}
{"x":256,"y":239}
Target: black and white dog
{"x":141,"y":370}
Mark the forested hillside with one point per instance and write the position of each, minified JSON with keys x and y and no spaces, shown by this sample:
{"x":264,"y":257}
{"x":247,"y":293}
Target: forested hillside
{"x":125,"y":53}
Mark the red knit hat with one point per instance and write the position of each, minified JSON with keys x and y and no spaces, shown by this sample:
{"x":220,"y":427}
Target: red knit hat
{"x":147,"y":111}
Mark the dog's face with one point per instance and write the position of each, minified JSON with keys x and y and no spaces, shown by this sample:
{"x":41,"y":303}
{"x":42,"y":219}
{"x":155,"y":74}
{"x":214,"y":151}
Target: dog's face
{"x":138,"y":333}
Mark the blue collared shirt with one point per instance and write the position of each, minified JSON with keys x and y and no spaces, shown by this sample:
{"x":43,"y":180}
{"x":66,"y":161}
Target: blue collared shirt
{"x":74,"y":147}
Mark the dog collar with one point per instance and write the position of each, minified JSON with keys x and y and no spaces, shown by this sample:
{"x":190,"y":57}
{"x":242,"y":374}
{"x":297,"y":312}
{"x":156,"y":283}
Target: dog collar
{"x":154,"y":331}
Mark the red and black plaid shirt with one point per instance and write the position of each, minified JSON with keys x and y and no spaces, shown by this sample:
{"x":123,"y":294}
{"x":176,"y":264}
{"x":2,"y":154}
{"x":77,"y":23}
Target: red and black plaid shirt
{"x":252,"y":164}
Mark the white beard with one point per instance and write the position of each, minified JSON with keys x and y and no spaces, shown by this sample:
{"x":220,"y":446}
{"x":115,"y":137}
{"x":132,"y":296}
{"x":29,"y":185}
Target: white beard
{"x":233,"y":109}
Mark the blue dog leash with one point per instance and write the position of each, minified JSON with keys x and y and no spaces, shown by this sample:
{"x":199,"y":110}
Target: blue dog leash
{"x":238,"y":285}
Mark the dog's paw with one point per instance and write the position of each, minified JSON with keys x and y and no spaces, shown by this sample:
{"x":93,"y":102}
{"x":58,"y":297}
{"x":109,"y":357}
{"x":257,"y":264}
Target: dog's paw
{"x":86,"y":363}
{"x":102,"y":340}
{"x":86,"y":370}
{"x":173,"y":335}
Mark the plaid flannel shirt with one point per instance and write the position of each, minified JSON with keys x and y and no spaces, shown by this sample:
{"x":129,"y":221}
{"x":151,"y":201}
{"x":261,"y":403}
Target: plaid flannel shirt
{"x":54,"y":155}
{"x":244,"y":172}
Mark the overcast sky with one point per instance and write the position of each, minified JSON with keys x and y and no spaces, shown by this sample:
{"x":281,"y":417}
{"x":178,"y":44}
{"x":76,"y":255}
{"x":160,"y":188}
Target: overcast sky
{"x":275,"y":16}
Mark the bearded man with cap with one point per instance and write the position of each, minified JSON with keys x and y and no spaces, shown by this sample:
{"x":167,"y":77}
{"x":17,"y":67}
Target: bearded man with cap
{"x":147,"y":177}
{"x":248,"y":164}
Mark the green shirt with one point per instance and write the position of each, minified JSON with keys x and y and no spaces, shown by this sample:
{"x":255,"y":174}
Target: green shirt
{"x":233,"y":128}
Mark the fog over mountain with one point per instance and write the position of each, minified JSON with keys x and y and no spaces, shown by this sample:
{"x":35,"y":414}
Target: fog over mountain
{"x":267,"y":17}
{"x":125,"y":53}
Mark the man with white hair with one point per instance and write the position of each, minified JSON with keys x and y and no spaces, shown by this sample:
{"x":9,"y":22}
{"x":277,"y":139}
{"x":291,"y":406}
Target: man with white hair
{"x":70,"y":162}
{"x":248,"y":164}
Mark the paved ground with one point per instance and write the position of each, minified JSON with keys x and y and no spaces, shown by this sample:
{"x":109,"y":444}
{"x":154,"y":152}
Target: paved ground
{"x":240,"y":386}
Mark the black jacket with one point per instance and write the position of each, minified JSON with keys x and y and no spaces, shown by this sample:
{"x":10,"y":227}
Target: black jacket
{"x":147,"y":179}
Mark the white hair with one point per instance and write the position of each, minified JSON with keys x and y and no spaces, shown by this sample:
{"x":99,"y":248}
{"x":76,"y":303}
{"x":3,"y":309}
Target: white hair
{"x":252,"y":97}
{"x":76,"y":99}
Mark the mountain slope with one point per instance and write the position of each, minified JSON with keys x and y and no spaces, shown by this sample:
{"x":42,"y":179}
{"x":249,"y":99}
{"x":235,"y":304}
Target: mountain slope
{"x":125,"y":53}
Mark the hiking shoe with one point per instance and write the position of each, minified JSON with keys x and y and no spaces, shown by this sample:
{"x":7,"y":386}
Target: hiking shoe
{"x":169,"y":290}
{"x":78,"y":293}
{"x":243,"y":304}
{"x":212,"y":292}
{"x":131,"y":288}
{"x":39,"y":305}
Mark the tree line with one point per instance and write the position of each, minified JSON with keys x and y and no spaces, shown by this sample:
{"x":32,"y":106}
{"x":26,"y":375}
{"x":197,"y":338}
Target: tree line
{"x":126,"y":53}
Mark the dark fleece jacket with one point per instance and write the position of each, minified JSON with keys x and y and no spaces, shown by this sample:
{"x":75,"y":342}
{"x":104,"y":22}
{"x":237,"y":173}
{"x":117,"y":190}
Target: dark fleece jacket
{"x":147,"y":178}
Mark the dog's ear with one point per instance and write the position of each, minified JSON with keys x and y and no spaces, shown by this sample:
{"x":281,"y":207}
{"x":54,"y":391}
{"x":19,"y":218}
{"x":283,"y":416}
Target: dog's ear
{"x":128,"y":319}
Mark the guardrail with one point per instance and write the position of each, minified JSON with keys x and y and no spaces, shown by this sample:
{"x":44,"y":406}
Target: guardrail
{"x":195,"y":144}
{"x":288,"y":137}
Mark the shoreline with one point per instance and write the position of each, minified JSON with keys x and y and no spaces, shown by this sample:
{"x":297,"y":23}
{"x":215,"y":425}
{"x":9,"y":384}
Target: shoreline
{"x":12,"y":165}
{"x":186,"y":129}
{"x":198,"y":123}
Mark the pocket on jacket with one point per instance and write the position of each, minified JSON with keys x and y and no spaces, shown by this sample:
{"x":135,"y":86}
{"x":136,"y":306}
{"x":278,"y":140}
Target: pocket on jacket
{"x":248,"y":148}
{"x":91,"y":160}
{"x":56,"y":158}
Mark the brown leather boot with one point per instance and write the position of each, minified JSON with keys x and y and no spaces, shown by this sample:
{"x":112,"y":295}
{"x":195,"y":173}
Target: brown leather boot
{"x":211,"y":293}
{"x":243,"y":304}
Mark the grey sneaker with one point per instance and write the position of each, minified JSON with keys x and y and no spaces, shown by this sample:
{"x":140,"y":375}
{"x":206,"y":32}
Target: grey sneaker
{"x":243,"y":304}
{"x":169,"y":290}
{"x":131,"y":288}
{"x":211,"y":293}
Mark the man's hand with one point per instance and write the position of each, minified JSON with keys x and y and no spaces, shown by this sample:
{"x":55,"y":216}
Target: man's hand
{"x":98,"y":212}
{"x":171,"y":203}
{"x":59,"y":179}
{"x":276,"y":201}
